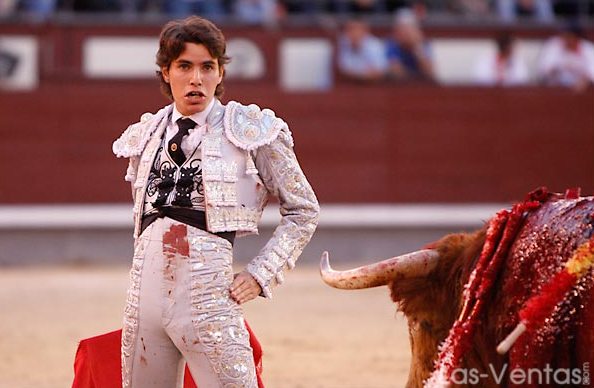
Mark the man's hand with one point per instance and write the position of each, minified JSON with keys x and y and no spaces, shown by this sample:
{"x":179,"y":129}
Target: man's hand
{"x":244,"y":288}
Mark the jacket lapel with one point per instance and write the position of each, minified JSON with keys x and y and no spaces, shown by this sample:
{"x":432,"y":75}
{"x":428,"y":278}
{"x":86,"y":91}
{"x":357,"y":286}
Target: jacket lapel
{"x":144,"y":167}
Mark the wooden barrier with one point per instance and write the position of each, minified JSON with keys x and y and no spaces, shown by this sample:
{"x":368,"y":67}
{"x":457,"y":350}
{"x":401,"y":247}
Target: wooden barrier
{"x":356,"y":143}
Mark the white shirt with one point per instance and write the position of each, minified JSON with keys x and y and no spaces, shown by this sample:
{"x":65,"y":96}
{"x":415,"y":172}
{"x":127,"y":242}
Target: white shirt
{"x":190,"y":142}
{"x":371,"y":56}
{"x":489,"y":70}
{"x":559,"y":66}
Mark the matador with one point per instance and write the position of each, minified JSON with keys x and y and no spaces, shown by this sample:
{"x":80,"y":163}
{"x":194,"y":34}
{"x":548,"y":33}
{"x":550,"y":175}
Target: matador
{"x":201,"y":173}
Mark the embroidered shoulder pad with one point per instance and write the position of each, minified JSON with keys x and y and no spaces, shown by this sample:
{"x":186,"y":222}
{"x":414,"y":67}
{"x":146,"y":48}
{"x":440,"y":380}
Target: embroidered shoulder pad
{"x":249,"y":127}
{"x":135,"y":137}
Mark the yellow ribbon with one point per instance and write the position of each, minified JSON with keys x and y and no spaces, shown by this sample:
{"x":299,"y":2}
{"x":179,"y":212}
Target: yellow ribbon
{"x":582,"y":259}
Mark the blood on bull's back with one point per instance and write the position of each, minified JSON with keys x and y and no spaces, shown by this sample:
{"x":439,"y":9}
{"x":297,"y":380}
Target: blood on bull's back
{"x":564,"y":344}
{"x":466,"y":292}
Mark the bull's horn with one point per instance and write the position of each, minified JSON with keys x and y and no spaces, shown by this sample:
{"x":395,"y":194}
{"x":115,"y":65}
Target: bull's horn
{"x":415,"y":264}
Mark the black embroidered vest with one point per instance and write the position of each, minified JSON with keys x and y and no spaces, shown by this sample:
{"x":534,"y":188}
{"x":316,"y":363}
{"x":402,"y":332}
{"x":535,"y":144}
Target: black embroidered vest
{"x":172,"y":185}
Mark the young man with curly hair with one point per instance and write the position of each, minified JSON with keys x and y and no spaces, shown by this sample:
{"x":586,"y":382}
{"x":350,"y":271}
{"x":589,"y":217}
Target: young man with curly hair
{"x":201,"y":173}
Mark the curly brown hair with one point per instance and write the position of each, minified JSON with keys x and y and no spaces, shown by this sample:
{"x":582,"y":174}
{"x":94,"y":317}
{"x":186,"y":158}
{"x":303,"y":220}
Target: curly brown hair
{"x":194,"y":29}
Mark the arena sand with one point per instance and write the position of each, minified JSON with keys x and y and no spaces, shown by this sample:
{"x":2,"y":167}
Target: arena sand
{"x":312,"y":335}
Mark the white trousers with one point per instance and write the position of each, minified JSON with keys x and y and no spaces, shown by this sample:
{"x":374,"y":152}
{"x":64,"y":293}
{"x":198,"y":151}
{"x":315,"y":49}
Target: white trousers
{"x":179,"y":310}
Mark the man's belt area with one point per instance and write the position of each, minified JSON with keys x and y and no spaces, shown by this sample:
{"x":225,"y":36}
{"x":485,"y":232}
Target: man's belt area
{"x":192,"y":217}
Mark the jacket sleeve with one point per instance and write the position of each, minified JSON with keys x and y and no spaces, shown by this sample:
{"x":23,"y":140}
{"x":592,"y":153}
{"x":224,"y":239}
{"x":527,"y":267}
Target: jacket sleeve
{"x":282,"y":176}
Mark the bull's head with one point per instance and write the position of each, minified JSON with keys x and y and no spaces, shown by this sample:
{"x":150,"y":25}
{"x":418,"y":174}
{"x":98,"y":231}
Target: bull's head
{"x":426,"y":284}
{"x":471,"y":288}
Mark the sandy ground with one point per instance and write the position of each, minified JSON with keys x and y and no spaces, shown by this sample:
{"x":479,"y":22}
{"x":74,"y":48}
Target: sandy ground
{"x":312,"y":335}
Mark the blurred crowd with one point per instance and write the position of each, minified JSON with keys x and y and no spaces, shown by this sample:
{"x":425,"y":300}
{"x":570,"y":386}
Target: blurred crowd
{"x":274,"y":11}
{"x":566,"y":59}
{"x":405,"y":55}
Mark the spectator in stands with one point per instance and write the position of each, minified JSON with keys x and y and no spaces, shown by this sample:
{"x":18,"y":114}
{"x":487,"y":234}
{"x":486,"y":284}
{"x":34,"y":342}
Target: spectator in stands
{"x":361,"y":55}
{"x":174,"y":8}
{"x":395,"y":5}
{"x":567,"y":60}
{"x":96,"y":5}
{"x":38,"y":9}
{"x":180,"y":8}
{"x":257,"y":12}
{"x":7,"y":7}
{"x":503,"y":67}
{"x":472,"y":8}
{"x":408,"y":52}
{"x":572,"y":9}
{"x":302,"y":6}
{"x":538,"y":10}
{"x":356,"y":7}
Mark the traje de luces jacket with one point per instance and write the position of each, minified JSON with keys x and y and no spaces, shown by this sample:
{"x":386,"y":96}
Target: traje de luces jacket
{"x":247,"y":154}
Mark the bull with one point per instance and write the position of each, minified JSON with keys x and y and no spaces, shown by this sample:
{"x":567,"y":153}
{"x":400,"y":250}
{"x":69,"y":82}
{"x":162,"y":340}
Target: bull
{"x":465,"y":293}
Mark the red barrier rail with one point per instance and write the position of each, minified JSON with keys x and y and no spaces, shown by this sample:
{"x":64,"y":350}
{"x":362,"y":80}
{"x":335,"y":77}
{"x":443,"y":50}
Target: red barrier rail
{"x":356,"y":144}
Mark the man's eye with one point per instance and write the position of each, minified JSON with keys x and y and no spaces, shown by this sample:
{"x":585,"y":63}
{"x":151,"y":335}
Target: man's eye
{"x":184,"y":66}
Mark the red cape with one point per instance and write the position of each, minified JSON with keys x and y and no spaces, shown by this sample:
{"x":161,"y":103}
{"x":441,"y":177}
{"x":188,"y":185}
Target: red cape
{"x":97,"y":363}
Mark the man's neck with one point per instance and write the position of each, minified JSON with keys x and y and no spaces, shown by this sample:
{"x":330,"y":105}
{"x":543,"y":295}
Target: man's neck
{"x":198,"y":117}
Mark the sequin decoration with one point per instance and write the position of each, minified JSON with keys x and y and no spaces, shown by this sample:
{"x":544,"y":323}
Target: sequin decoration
{"x":136,"y":136}
{"x":281,"y":174}
{"x":248,"y":127}
{"x":218,"y":320}
{"x":272,"y":168}
{"x":130,"y":322}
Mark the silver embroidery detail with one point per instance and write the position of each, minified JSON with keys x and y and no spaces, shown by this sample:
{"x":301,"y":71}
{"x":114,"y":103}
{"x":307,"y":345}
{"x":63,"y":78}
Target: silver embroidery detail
{"x":213,"y":146}
{"x":136,"y":136}
{"x":130,"y":322}
{"x":275,"y":170}
{"x":217,"y":319}
{"x":248,"y":127}
{"x":229,"y":172}
{"x":282,"y":175}
{"x":223,"y":219}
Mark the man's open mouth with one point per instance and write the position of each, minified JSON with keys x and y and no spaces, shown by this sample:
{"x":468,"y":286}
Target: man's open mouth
{"x":195,"y":94}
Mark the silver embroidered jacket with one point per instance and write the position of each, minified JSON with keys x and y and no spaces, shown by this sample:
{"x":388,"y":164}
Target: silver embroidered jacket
{"x":247,"y":153}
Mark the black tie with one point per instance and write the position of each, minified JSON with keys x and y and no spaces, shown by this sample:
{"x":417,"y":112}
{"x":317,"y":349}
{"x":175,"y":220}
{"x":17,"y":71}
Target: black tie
{"x":175,"y":149}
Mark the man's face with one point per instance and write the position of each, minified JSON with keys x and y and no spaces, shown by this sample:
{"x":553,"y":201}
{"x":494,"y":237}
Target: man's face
{"x":407,"y":34}
{"x":570,"y":41}
{"x":356,"y":32}
{"x":193,"y":77}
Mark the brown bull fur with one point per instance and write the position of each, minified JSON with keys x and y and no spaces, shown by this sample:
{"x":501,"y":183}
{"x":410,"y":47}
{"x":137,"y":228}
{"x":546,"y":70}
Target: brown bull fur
{"x":547,"y":239}
{"x":430,"y":311}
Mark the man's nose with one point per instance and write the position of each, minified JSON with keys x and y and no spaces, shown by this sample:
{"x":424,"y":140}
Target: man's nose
{"x":196,"y":77}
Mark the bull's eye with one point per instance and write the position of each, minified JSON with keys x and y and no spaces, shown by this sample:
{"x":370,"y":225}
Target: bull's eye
{"x":426,"y":326}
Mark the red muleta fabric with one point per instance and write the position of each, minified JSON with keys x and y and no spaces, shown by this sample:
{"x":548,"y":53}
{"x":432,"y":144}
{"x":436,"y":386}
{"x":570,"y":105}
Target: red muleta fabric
{"x":97,"y":362}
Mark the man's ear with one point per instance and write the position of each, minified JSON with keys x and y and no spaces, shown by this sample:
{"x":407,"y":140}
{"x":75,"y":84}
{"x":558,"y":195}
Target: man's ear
{"x":165,"y":72}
